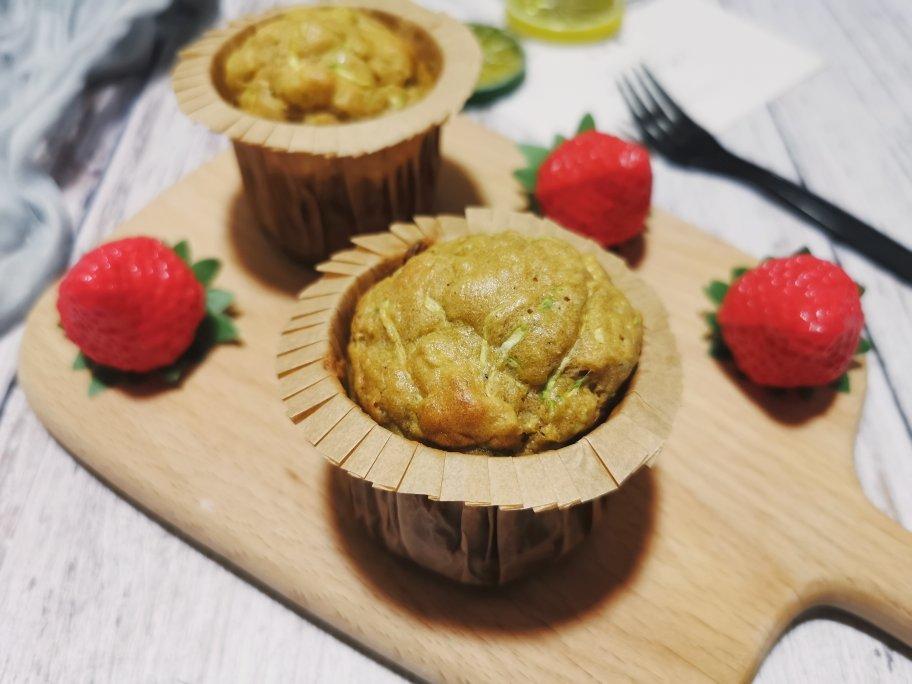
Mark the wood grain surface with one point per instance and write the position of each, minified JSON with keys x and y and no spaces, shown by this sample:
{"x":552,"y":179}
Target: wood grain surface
{"x":754,"y":516}
{"x":93,"y":590}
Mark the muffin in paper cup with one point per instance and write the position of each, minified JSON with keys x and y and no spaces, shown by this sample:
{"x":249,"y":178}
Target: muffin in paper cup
{"x":477,"y":518}
{"x":312,"y":186}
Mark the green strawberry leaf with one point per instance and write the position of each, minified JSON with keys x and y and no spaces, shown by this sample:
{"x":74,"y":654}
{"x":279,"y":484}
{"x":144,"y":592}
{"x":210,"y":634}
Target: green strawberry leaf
{"x":534,"y":154}
{"x":864,"y":346}
{"x":717,"y":348}
{"x":738,"y":271}
{"x":182,"y":249}
{"x":225,"y":330}
{"x":842,"y":384}
{"x":527,"y":178}
{"x":713,"y":321}
{"x":217,"y":301}
{"x":587,"y":123}
{"x":100,"y":377}
{"x":172,"y":374}
{"x":861,"y":289}
{"x":205,"y":270}
{"x":803,"y":250}
{"x":97,"y":385}
{"x":716,"y":291}
{"x":558,"y":141}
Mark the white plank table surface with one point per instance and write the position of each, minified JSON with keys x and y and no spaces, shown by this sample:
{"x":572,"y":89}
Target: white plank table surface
{"x":93,"y":590}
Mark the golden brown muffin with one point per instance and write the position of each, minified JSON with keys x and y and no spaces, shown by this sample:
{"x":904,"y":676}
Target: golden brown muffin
{"x":324,"y":65}
{"x":493,"y":343}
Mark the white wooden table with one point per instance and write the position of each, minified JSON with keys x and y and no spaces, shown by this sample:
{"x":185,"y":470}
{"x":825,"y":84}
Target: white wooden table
{"x":93,"y":590}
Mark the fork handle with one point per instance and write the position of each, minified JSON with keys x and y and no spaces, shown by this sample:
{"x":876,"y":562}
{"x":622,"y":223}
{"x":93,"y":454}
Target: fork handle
{"x":838,"y":223}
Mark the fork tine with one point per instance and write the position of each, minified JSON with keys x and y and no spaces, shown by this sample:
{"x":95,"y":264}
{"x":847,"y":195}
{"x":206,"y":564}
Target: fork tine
{"x":660,"y":94}
{"x":652,"y":105}
{"x":633,"y":103}
{"x":641,"y":116}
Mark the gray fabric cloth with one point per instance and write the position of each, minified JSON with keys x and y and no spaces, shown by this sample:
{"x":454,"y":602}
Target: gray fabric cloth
{"x":49,"y":50}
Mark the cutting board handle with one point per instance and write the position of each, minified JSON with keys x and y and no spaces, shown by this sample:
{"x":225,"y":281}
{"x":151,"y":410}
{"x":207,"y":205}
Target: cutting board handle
{"x":871,"y":571}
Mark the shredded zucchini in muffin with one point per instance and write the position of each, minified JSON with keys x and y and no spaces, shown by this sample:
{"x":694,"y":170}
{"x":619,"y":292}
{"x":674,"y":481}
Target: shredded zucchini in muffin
{"x":324,"y":65}
{"x":493,"y":343}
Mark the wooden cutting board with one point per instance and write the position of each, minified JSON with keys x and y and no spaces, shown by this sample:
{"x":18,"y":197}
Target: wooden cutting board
{"x":753,"y":514}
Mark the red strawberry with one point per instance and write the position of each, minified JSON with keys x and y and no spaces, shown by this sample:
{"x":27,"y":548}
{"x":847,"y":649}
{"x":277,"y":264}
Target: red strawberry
{"x":792,"y":322}
{"x":597,"y":185}
{"x":132,"y":304}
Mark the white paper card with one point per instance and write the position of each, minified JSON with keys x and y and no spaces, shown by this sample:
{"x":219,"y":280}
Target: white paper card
{"x":717,"y":65}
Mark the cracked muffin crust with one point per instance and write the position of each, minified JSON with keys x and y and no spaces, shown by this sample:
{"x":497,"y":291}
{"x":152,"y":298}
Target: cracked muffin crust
{"x":326,"y":65}
{"x":495,"y":343}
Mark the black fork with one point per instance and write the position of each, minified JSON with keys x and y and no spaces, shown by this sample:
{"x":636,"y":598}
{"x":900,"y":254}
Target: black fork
{"x":666,"y":128}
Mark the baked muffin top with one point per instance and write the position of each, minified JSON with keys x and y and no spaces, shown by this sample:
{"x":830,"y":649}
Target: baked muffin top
{"x":494,"y":343}
{"x":326,"y":65}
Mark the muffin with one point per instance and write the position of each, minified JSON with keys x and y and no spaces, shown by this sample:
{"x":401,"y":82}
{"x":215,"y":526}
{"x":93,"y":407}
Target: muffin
{"x":334,"y":112}
{"x":328,"y":65}
{"x":496,"y":343}
{"x":512,"y":494}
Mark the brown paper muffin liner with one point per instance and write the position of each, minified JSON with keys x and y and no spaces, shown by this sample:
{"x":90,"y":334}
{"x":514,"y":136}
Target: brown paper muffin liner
{"x":474,"y":518}
{"x":311,"y":187}
{"x":471,"y":544}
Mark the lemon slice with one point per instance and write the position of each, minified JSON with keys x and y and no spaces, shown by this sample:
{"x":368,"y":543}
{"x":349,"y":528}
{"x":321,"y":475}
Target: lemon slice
{"x":504,"y":63}
{"x":572,"y":21}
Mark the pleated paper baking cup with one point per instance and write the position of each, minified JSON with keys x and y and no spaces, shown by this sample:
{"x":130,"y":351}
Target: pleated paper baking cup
{"x":479,"y":519}
{"x":312,"y":187}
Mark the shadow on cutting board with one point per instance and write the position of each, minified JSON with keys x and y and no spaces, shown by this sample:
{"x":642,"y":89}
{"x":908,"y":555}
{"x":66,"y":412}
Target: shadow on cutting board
{"x":456,"y":189}
{"x":587,"y":578}
{"x":265,"y":261}
{"x":259,"y":257}
{"x":790,"y":407}
{"x":633,"y":251}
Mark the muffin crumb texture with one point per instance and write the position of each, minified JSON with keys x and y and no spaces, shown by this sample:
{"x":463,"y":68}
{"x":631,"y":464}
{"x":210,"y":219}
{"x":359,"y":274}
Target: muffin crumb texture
{"x":495,"y":343}
{"x":328,"y":65}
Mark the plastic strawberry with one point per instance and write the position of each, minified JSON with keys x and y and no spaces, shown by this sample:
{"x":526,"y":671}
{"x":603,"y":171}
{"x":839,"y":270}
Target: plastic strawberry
{"x":137,"y":306}
{"x":594,"y":183}
{"x":789,"y":322}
